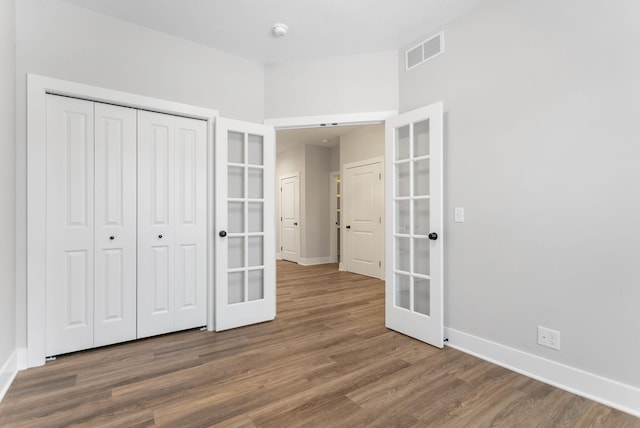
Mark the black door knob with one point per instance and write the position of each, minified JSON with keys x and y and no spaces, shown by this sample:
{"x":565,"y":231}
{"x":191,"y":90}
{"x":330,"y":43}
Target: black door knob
{"x":159,"y":236}
{"x":112,"y":238}
{"x":222,"y":233}
{"x":433,"y":236}
{"x":348,"y":227}
{"x":295,"y":224}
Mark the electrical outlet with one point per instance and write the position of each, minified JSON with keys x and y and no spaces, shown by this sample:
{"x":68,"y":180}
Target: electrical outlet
{"x":549,"y":338}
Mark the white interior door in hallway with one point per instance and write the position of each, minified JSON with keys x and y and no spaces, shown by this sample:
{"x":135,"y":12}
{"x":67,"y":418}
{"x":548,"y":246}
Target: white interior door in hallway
{"x":363,"y":232}
{"x":290,"y":217}
{"x":414,"y":272}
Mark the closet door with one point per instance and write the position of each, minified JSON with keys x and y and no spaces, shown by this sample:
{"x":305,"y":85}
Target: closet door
{"x":115,"y":224}
{"x":171,"y":223}
{"x":69,"y":225}
{"x":155,"y":217}
{"x":190,"y":227}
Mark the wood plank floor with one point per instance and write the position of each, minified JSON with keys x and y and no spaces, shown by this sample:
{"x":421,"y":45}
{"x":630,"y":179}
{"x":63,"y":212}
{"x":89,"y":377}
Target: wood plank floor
{"x":326,"y":361}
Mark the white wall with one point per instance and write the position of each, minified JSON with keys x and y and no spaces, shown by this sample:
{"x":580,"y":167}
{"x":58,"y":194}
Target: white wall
{"x":541,"y":149}
{"x":64,"y":41}
{"x":313,"y":164}
{"x":354,"y":84}
{"x":334,"y":163}
{"x":317,"y":169}
{"x":362,"y":144}
{"x":7,"y":188}
{"x":290,"y":162}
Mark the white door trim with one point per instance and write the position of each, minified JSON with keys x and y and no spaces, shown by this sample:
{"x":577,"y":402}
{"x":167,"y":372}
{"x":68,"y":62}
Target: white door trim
{"x":333,"y":207}
{"x":348,"y":119}
{"x":381,"y":160}
{"x":37,"y":88}
{"x":299,"y":230}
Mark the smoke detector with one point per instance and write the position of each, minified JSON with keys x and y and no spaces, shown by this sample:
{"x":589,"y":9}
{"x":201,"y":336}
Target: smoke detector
{"x":280,"y":29}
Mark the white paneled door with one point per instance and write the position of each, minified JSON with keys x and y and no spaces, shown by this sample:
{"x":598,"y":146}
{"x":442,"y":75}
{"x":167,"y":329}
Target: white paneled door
{"x":414,"y":250}
{"x":363,"y":233}
{"x":245,"y":233}
{"x":172,"y":206}
{"x":70,"y":249}
{"x":290,"y":217}
{"x":115,"y":224}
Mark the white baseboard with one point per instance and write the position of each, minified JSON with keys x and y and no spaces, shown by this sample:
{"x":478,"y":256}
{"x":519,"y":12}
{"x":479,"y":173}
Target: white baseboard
{"x":314,"y":261}
{"x":8,"y":373}
{"x":594,"y":387}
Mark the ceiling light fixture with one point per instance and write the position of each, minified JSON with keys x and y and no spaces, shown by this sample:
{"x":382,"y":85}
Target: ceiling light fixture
{"x":280,"y":29}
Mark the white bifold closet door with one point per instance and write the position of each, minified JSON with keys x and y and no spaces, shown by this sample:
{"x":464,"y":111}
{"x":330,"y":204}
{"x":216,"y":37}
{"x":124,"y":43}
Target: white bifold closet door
{"x":172,"y":206}
{"x":115,"y":224}
{"x":91,"y":225}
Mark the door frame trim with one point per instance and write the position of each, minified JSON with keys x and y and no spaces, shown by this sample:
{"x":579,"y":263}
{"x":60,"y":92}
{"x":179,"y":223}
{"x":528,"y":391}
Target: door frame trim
{"x":333,"y":207}
{"x":299,"y":234}
{"x":35,"y":258}
{"x":345,"y":119}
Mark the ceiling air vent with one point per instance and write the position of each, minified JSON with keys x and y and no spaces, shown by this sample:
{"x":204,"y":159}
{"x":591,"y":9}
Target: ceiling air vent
{"x":426,"y":50}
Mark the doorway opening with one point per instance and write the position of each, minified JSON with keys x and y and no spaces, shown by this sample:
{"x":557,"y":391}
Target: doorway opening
{"x":319,"y":155}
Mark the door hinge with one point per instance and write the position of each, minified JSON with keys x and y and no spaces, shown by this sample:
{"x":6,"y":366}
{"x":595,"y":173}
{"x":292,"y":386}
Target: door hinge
{"x":380,"y":176}
{"x":280,"y":248}
{"x":380,"y":264}
{"x":280,"y":218}
{"x":380,"y":220}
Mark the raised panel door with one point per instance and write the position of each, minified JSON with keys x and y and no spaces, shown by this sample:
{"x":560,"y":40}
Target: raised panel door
{"x":69,"y":228}
{"x":115,"y":224}
{"x":190,"y":228}
{"x":156,"y":193}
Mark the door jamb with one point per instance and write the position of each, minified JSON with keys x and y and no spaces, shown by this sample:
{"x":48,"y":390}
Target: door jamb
{"x":333,"y":206}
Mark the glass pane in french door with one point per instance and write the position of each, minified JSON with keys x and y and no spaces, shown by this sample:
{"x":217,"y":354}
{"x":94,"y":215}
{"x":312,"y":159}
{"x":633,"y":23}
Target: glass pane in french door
{"x":411,"y":200}
{"x":245,"y":209}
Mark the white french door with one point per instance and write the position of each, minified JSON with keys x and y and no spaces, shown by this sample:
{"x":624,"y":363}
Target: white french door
{"x":414,"y":250}
{"x":245,"y":291}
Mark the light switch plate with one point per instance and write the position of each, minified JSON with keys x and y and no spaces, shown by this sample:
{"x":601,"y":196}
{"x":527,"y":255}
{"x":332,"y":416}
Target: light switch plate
{"x":458,"y":215}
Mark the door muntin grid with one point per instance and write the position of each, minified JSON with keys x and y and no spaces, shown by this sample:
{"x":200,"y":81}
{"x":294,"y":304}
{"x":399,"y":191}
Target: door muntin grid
{"x":411,"y":218}
{"x":245,"y":213}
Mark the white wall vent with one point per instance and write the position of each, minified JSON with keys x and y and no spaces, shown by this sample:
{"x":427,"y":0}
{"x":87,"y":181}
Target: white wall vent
{"x":423,"y":52}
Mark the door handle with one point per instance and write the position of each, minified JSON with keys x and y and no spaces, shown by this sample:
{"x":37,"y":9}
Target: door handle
{"x":222,"y":233}
{"x":295,"y":224}
{"x":348,"y":227}
{"x":433,"y":236}
{"x":112,"y":237}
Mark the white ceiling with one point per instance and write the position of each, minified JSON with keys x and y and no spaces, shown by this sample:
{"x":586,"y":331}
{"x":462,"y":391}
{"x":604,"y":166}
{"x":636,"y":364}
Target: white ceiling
{"x":287,"y":139}
{"x":317,"y":29}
